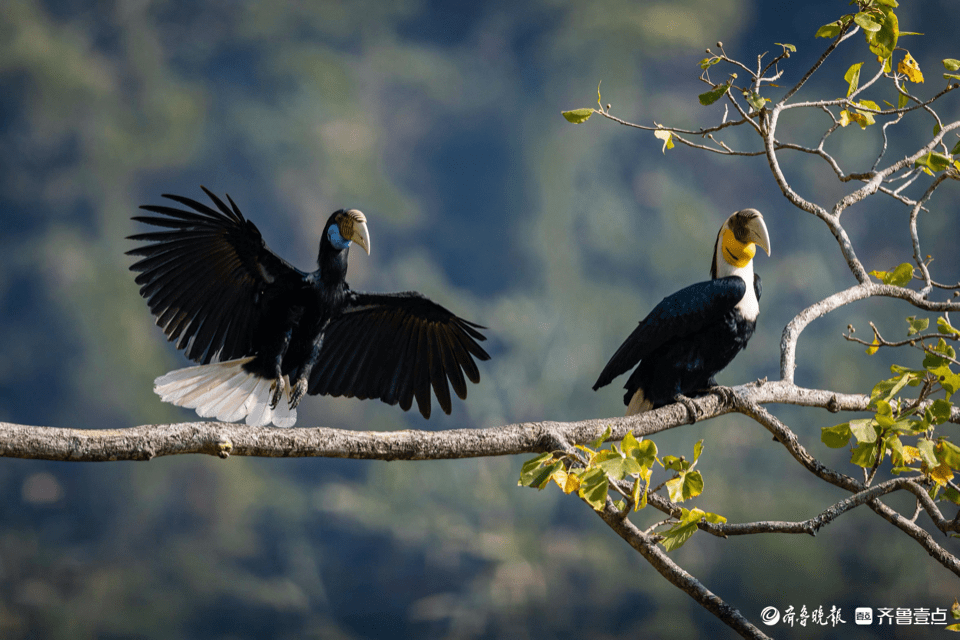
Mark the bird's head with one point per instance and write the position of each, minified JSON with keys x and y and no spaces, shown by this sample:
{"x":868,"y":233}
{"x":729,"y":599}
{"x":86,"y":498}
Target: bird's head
{"x":345,"y":227}
{"x":737,"y":242}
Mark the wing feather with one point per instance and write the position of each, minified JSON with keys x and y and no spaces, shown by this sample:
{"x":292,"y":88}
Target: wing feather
{"x":204,"y":275}
{"x":398,"y":348}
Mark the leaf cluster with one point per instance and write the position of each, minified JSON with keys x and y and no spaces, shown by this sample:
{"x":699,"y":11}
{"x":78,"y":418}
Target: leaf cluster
{"x":592,"y":471}
{"x":905,"y":428}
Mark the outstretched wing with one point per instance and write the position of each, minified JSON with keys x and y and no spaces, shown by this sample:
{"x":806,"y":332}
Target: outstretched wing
{"x":685,"y":312}
{"x":206,"y":276}
{"x":395,"y":347}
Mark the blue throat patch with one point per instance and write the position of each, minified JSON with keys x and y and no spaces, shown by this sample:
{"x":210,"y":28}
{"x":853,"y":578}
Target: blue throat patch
{"x":337,"y":240}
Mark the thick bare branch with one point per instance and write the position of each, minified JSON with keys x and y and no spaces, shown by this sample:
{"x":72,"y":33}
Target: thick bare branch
{"x":225,"y":439}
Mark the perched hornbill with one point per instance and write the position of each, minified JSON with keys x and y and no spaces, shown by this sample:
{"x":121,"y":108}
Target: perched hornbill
{"x":262,"y":329}
{"x":693,"y":334}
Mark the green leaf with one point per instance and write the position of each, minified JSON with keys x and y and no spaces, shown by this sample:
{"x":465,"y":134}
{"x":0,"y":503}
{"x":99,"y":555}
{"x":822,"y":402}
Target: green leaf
{"x":884,"y":416}
{"x":577,"y":116}
{"x":678,"y":534}
{"x":787,"y":47}
{"x":831,"y":30}
{"x":933,"y":362}
{"x":593,"y":488}
{"x":898,"y":277}
{"x":714,"y":94}
{"x":629,"y":445}
{"x":603,"y":438}
{"x":949,"y":381}
{"x":901,"y":469}
{"x":886,"y":389}
{"x":883,"y":41}
{"x":956,"y":147}
{"x":852,"y":76}
{"x":836,"y":437}
{"x":666,"y":136}
{"x":543,"y":476}
{"x":864,"y":455}
{"x":952,"y":495}
{"x":927,"y":454}
{"x":639,"y":493}
{"x":864,"y":430}
{"x":687,"y":485}
{"x":697,"y":450}
{"x":938,"y":412}
{"x":902,"y":101}
{"x":917,"y":325}
{"x":951,"y":76}
{"x":673,"y":463}
{"x":706,"y":63}
{"x":530,"y":468}
{"x":914,"y":373}
{"x":946,"y":328}
{"x":616,"y":465}
{"x":951,"y":64}
{"x":866,"y":21}
{"x":948,"y":454}
{"x":646,"y":453}
{"x":893,"y":443}
{"x":755,"y":100}
{"x":933,"y":161}
{"x":714,"y":518}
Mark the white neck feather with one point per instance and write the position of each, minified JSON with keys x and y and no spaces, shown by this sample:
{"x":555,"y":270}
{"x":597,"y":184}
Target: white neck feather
{"x":749,"y":306}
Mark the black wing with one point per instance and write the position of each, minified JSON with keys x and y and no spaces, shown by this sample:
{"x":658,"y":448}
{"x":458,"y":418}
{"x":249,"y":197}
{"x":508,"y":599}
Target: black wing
{"x":394,"y":347}
{"x":683,"y":313}
{"x":206,"y":275}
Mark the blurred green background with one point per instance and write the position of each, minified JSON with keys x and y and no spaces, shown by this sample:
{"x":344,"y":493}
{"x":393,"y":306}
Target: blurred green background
{"x":440,"y":120}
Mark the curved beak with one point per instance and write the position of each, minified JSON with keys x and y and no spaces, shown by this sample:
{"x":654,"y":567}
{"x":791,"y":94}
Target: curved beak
{"x":353,"y":226}
{"x":757,"y":232}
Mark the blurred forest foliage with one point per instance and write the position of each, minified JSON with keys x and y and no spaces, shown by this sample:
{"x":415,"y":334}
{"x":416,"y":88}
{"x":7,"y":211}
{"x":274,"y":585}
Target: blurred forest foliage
{"x":441,"y":122}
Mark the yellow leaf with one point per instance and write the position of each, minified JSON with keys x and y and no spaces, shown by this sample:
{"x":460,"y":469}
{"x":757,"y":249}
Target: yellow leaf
{"x":567,"y":482}
{"x":910,"y":454}
{"x":872,"y":349}
{"x":909,"y":67}
{"x":941,"y":474}
{"x":845,"y":118}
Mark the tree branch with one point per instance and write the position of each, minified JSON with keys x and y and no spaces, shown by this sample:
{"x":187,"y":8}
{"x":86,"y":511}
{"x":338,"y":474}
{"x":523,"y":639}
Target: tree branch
{"x":676,"y":575}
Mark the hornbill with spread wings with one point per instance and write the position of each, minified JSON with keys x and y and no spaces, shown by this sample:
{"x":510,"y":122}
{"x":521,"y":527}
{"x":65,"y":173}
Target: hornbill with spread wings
{"x":693,"y":334}
{"x":266,"y":333}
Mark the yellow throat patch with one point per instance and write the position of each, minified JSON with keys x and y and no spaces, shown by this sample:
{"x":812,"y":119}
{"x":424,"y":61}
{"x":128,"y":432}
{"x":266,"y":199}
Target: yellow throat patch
{"x":737,"y":253}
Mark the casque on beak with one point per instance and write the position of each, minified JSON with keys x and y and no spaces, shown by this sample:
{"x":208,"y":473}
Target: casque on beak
{"x":353,"y":226}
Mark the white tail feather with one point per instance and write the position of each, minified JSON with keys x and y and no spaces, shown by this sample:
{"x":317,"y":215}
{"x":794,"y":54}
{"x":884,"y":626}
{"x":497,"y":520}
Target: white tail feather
{"x":638,"y":404}
{"x":228,"y":392}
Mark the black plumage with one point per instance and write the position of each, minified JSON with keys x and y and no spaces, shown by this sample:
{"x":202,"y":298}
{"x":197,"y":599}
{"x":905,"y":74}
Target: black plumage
{"x":691,"y":335}
{"x":262,"y":329}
